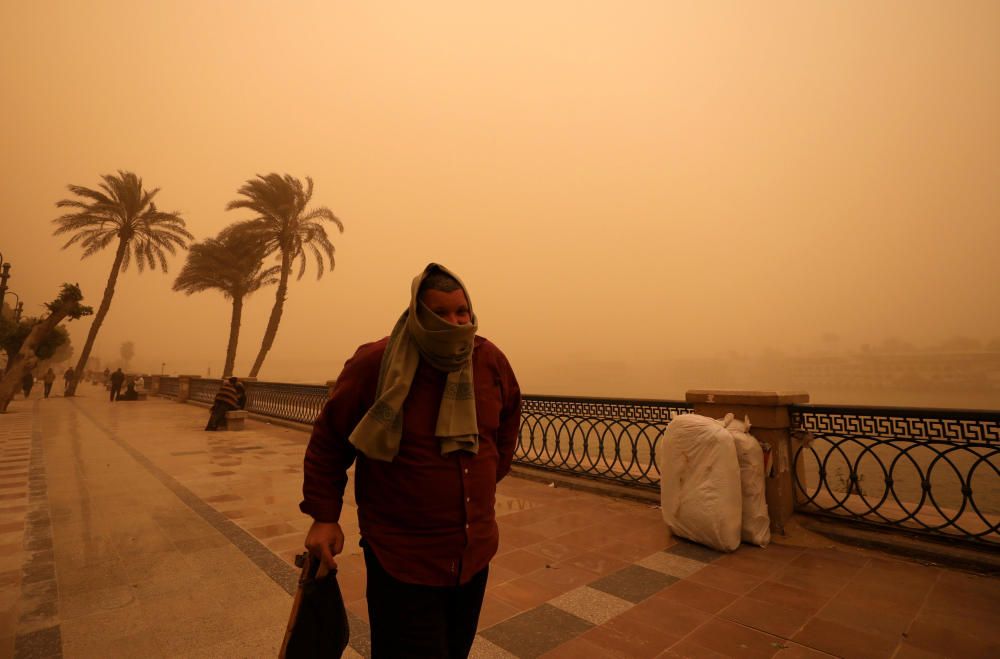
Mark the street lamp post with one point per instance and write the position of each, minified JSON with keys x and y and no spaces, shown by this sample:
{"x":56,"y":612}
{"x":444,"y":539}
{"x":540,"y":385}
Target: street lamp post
{"x":18,"y":308}
{"x":4,"y":276}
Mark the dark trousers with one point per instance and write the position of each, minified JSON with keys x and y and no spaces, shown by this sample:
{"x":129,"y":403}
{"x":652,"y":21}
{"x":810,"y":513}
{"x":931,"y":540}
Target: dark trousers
{"x":115,"y":390}
{"x":48,"y":389}
{"x":217,"y":419}
{"x":408,"y":620}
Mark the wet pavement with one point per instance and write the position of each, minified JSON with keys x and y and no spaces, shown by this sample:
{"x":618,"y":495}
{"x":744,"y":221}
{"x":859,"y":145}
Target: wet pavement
{"x":128,"y":531}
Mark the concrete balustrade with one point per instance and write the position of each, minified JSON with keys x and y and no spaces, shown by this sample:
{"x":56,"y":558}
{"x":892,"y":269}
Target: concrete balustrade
{"x":770,"y":421}
{"x":184,"y":387}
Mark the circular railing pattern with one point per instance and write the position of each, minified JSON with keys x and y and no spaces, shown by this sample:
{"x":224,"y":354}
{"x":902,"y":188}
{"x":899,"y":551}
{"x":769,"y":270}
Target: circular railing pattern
{"x":608,"y":439}
{"x":940,"y":475}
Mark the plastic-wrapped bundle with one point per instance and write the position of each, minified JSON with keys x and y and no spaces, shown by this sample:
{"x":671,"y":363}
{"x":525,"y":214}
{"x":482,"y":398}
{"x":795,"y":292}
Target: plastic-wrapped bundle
{"x":756,"y":525}
{"x":700,"y":482}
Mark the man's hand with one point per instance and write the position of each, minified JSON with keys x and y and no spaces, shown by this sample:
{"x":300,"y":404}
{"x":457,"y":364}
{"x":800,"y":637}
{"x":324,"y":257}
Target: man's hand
{"x":324,"y":541}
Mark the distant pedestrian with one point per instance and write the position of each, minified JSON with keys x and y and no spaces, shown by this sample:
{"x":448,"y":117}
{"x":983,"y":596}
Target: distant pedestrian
{"x":106,"y":380}
{"x":48,"y":379}
{"x":117,"y":380}
{"x":68,"y":379}
{"x":27,"y":382}
{"x":231,"y":396}
{"x":130,"y":392}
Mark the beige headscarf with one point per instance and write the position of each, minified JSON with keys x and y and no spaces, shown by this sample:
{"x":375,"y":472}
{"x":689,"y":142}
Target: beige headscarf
{"x":419,"y":332}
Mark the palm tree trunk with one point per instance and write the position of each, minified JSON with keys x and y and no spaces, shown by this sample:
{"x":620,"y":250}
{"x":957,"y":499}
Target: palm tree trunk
{"x":102,"y":311}
{"x":234,"y":336}
{"x":275,"y":319}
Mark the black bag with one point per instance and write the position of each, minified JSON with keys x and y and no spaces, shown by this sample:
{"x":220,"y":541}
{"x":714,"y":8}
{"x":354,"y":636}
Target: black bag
{"x":318,"y":624}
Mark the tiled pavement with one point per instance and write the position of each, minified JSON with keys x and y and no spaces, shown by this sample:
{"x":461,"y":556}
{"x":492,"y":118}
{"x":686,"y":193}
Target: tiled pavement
{"x":125,"y":530}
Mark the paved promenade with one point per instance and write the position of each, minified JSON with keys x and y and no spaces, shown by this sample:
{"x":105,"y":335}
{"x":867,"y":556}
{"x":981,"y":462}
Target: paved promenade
{"x":127,"y":531}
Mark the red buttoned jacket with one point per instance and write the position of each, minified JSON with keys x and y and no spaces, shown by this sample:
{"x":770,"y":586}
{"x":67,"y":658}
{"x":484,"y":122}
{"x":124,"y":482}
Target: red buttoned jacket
{"x":429,"y":518}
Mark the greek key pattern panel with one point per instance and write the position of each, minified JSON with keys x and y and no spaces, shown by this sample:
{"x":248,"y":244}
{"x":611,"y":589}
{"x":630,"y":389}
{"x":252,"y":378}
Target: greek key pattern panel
{"x":605,"y":408}
{"x":901,"y":423}
{"x":929,"y":472}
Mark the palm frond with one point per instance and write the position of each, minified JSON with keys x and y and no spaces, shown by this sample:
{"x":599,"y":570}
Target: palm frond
{"x":231,"y":263}
{"x":323,"y":213}
{"x":96,"y":242}
{"x":283,"y":223}
{"x":126,"y":260}
{"x":319,"y":260}
{"x":122,"y":208}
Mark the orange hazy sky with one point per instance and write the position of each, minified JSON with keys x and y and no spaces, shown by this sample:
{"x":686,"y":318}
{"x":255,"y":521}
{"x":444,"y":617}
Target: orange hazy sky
{"x":622,"y":182}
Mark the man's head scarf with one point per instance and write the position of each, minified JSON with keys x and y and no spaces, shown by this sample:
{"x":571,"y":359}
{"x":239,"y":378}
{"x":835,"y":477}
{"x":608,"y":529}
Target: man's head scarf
{"x":420,"y":333}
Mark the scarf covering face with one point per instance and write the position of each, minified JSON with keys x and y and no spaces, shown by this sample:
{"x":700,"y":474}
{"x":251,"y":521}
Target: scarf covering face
{"x":420,"y":332}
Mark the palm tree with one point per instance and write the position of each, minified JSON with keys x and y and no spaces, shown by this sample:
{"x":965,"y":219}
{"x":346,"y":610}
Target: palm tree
{"x":285,"y":226}
{"x":233,"y":265}
{"x":120,"y":210}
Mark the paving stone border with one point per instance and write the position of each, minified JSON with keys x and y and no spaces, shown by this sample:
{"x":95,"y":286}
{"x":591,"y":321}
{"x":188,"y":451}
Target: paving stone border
{"x":38,"y":633}
{"x":563,"y":618}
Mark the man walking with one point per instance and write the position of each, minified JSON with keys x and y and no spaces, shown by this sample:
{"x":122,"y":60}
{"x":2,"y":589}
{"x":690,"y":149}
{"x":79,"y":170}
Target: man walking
{"x":27,"y":382}
{"x":431,"y":414}
{"x":48,"y":379}
{"x":117,"y":379}
{"x":68,"y":379}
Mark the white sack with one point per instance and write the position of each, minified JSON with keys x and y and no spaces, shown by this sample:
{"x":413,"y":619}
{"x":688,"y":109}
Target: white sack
{"x":700,"y":482}
{"x":756,"y":525}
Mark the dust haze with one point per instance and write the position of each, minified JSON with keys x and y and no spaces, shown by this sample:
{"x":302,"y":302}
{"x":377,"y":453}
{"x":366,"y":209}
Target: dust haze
{"x":642,"y":197}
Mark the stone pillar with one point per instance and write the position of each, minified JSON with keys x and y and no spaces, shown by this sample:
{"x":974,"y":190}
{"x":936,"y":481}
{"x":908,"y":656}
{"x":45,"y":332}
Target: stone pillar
{"x":184,"y":387}
{"x":770,"y":422}
{"x":330,"y":384}
{"x":154,"y":384}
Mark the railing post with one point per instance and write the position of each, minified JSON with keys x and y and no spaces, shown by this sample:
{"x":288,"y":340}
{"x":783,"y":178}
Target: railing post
{"x":770,"y":421}
{"x":154,"y":385}
{"x":184,"y":387}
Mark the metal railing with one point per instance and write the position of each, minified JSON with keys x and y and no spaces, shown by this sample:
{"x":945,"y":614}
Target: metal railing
{"x":169,"y":385}
{"x":204,"y":391}
{"x":932,"y":472}
{"x":935,"y":472}
{"x":608,"y":439}
{"x":292,"y":402}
